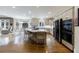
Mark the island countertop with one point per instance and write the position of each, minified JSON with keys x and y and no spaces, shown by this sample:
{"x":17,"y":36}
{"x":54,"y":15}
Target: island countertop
{"x":38,"y":36}
{"x":39,"y":30}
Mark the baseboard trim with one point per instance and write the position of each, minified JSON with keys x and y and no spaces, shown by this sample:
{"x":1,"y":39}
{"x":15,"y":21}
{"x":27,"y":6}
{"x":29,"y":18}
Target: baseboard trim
{"x":67,"y":45}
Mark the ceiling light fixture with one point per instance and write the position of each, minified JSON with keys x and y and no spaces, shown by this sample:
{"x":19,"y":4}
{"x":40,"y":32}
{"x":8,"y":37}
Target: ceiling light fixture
{"x":29,"y":12}
{"x":49,"y":12}
{"x":13,"y":7}
{"x":46,"y":16}
{"x":37,"y":6}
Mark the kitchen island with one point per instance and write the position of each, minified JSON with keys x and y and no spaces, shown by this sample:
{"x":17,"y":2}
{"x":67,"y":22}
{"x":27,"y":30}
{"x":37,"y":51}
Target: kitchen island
{"x":38,"y":36}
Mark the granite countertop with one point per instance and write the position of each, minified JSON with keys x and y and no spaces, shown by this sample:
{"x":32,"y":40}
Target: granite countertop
{"x":39,"y":30}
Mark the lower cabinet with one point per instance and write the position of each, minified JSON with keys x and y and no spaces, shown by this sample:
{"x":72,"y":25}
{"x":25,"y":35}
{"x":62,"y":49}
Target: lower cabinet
{"x":38,"y":37}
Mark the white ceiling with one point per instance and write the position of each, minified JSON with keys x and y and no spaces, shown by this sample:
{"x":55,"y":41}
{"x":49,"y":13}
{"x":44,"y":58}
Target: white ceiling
{"x":23,"y":12}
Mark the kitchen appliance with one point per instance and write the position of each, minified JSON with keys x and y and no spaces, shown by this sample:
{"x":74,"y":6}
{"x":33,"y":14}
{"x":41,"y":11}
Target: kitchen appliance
{"x":56,"y":30}
{"x":67,"y":34}
{"x":67,"y":30}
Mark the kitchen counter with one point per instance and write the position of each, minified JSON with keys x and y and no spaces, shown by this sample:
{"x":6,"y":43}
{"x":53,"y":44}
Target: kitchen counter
{"x":40,"y":30}
{"x":37,"y":36}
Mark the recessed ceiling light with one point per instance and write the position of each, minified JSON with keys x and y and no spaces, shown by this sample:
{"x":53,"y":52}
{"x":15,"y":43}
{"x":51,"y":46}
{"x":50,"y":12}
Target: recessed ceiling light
{"x":49,"y":12}
{"x":29,"y":12}
{"x":13,"y":7}
{"x":37,"y":6}
{"x":32,"y":16}
{"x":46,"y":16}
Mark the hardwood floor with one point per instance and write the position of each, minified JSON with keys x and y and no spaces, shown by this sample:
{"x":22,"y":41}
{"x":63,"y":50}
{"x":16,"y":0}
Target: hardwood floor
{"x":28,"y":46}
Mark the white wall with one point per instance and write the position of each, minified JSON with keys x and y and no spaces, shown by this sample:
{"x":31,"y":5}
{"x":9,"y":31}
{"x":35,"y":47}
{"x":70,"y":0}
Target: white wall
{"x":76,"y":41}
{"x":76,"y":32}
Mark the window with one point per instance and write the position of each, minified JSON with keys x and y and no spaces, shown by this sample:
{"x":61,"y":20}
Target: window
{"x":7,"y":25}
{"x":25,"y":25}
{"x":2,"y":24}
